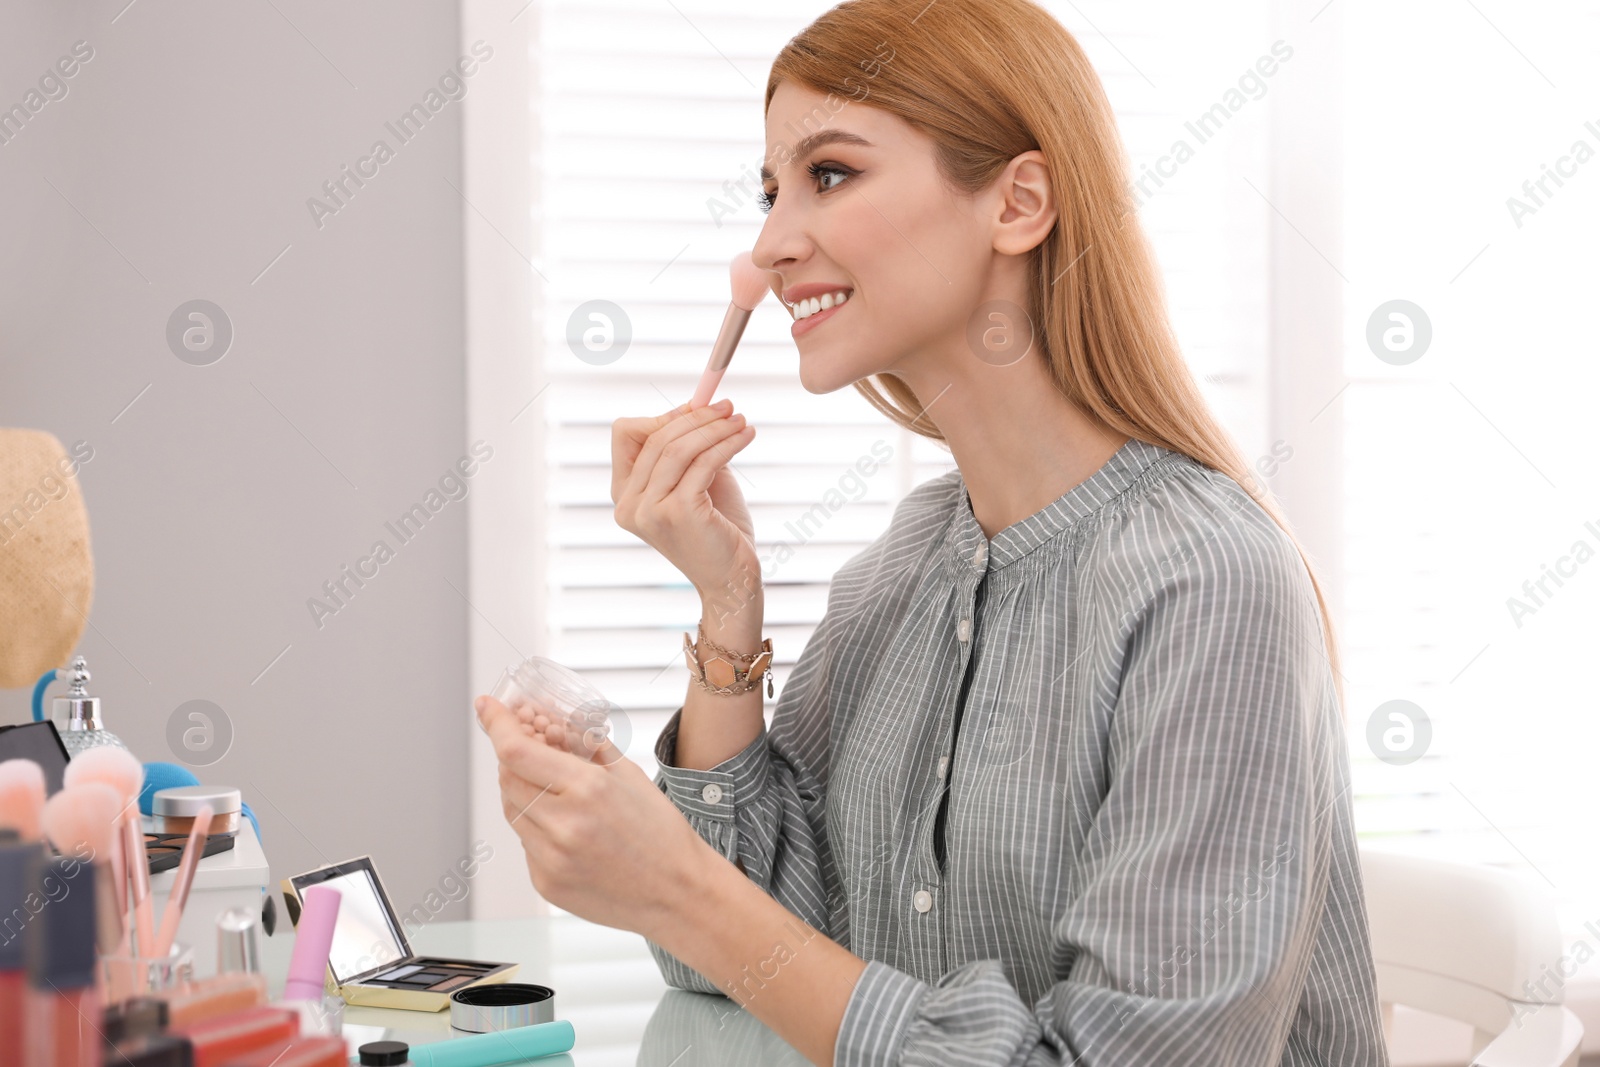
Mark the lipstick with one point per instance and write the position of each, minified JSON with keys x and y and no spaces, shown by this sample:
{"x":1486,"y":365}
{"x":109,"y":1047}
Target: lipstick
{"x":313,"y":938}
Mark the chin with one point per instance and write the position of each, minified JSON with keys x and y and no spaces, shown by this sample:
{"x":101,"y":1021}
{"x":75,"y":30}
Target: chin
{"x":818,"y":381}
{"x":826,"y":369}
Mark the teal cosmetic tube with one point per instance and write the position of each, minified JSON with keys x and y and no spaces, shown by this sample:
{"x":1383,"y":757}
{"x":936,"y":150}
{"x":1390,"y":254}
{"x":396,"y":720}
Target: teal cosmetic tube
{"x":496,"y":1047}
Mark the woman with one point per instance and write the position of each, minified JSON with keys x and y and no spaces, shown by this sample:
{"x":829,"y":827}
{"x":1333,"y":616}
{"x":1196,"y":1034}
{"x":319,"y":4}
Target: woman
{"x":1061,"y":775}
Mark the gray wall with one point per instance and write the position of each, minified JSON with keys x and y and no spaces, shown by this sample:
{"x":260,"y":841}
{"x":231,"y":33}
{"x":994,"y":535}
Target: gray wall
{"x":177,"y":167}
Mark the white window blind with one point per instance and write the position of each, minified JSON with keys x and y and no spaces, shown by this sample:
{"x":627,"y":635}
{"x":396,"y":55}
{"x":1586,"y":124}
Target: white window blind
{"x":641,"y":112}
{"x":1470,"y":469}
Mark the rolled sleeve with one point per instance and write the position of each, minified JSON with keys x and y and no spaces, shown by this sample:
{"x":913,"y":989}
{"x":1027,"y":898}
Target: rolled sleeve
{"x":971,"y":1016}
{"x":740,"y":778}
{"x":763,"y":808}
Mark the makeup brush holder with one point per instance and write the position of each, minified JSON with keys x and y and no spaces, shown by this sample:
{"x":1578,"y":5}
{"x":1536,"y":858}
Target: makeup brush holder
{"x":128,"y":976}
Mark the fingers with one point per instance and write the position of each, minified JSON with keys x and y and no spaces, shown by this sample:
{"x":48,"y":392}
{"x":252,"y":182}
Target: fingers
{"x":627,"y":438}
{"x":520,"y":799}
{"x":698,"y":476}
{"x":528,"y":757}
{"x":662,"y":440}
{"x":601,"y":748}
{"x":687,"y":449}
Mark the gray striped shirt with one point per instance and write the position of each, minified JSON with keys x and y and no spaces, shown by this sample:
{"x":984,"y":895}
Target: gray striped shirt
{"x":1079,"y":794}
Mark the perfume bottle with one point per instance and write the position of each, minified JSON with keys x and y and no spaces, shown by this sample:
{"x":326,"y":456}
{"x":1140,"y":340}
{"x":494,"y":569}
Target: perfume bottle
{"x":83,"y":729}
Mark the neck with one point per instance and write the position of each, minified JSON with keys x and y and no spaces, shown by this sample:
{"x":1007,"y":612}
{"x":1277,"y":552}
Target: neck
{"x":1019,"y":443}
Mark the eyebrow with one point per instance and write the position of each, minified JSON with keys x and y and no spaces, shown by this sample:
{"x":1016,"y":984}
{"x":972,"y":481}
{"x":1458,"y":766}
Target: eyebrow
{"x":811,"y":142}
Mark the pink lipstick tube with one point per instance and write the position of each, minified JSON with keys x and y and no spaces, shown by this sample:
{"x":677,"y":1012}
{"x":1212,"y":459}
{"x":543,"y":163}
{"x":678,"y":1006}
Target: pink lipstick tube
{"x":313,"y":938}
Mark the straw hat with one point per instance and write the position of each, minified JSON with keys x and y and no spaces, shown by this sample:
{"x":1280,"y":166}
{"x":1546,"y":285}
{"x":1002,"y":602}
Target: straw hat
{"x":46,"y":571}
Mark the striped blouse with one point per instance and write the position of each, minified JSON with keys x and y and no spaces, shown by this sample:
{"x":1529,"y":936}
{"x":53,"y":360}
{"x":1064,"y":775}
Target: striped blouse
{"x":1078,"y":794}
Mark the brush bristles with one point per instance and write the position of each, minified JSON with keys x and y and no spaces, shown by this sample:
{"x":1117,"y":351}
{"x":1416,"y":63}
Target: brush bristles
{"x":116,"y":767}
{"x":750,"y":282}
{"x":21,"y":797}
{"x":80,"y":820}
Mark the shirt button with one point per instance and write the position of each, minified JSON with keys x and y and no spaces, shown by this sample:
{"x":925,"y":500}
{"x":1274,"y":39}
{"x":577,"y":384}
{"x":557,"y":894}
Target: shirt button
{"x":922,"y":901}
{"x":964,"y":629}
{"x":977,"y":557}
{"x":944,"y":761}
{"x":712,"y":793}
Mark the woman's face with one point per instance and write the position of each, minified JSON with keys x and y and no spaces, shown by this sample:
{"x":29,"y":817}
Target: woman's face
{"x":866,"y":212}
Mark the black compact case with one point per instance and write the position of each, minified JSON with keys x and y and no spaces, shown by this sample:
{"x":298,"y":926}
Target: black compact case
{"x":40,"y":742}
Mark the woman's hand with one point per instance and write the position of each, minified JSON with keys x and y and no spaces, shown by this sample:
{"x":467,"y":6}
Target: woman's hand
{"x":672,"y":489}
{"x":601,"y":840}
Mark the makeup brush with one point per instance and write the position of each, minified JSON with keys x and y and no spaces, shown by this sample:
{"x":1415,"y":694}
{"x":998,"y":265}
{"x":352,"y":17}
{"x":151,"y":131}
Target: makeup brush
{"x":89,"y":814}
{"x":21,"y":797}
{"x":749,"y":288}
{"x":182,"y":881}
{"x":119,"y":769}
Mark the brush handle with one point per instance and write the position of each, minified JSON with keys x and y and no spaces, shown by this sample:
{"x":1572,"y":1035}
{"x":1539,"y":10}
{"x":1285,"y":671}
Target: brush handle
{"x":108,"y":918}
{"x":733,"y":324}
{"x":192,"y":851}
{"x":139,"y":876}
{"x":119,"y":879}
{"x":119,"y":886}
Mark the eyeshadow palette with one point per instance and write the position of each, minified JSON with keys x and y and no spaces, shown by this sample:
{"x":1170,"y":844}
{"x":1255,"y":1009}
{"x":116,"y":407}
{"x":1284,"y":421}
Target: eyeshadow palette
{"x":370,"y":961}
{"x":435,"y":975}
{"x":166,"y":850}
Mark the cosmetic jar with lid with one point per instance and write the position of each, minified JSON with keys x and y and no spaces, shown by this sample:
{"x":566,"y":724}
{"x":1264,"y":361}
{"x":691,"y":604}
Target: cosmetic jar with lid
{"x":175,"y":807}
{"x":384,"y":1054}
{"x":483,"y":1009}
{"x":542,"y":686}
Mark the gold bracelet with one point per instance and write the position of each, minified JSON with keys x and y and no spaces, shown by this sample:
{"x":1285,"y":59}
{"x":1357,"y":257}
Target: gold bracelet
{"x":719,"y":675}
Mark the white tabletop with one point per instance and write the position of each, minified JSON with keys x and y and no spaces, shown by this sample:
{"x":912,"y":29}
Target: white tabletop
{"x":607,"y":986}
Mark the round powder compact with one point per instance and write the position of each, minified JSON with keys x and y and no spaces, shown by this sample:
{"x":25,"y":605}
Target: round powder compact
{"x":504,"y":1006}
{"x":175,"y":807}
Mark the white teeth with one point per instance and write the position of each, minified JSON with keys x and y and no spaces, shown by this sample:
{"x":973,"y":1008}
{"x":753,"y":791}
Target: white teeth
{"x":807,"y":308}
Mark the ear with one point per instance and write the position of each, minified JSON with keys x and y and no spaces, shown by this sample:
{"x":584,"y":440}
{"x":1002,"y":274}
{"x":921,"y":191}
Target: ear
{"x":1027,"y":205}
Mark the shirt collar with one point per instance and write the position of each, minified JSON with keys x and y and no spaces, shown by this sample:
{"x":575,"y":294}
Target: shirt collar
{"x":969,"y":548}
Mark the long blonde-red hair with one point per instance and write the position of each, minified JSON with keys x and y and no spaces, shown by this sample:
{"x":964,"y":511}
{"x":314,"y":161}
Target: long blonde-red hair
{"x":988,"y":80}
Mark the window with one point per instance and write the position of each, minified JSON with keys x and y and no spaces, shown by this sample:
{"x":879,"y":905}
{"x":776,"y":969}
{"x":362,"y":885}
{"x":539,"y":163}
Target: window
{"x":1472,"y":519}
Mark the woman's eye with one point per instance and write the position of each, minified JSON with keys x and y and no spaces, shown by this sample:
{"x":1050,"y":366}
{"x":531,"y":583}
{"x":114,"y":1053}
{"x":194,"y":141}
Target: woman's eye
{"x":817,"y":170}
{"x":765,"y":200}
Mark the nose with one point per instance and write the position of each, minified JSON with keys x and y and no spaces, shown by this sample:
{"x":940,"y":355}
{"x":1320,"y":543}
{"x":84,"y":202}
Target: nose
{"x":780,"y":247}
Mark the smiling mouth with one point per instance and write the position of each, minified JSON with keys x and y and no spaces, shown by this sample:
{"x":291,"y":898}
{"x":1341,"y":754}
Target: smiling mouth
{"x":804,"y":309}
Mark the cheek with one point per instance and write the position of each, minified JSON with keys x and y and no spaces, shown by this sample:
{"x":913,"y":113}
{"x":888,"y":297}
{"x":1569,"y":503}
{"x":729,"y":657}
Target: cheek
{"x":914,"y":257}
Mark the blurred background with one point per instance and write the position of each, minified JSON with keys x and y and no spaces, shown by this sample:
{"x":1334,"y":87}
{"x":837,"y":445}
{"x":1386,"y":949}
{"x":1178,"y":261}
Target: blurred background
{"x":1376,"y":224}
